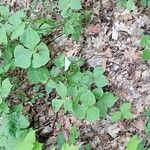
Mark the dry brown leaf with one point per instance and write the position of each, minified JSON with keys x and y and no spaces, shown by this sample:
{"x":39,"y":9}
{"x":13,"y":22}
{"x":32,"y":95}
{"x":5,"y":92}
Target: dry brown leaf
{"x":93,"y":29}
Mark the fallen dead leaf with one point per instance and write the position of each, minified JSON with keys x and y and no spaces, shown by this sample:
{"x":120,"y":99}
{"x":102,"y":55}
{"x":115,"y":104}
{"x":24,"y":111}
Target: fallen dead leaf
{"x":93,"y":29}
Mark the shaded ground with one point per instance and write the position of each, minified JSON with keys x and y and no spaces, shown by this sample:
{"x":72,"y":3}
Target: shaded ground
{"x":113,"y":41}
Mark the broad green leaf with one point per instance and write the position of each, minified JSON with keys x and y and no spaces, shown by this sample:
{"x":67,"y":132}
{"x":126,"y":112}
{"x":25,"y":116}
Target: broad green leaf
{"x":63,"y":4}
{"x":52,"y":84}
{"x":37,"y":146}
{"x":30,"y":38}
{"x":87,"y":98}
{"x":127,"y":115}
{"x":92,"y":114}
{"x":98,"y":71}
{"x":62,"y":90}
{"x":74,"y":134}
{"x":59,"y":61}
{"x":16,"y":18}
{"x":133,"y":143}
{"x":125,"y":107}
{"x":5,"y":88}
{"x":98,"y":93}
{"x":67,"y":63}
{"x":79,"y":111}
{"x":66,"y":146}
{"x":38,"y":75}
{"x":87,"y":78}
{"x":57,"y":104}
{"x":75,"y":78}
{"x":75,"y":4}
{"x":55,"y":71}
{"x":101,"y":81}
{"x":68,"y":105}
{"x":72,"y":90}
{"x":102,"y":109}
{"x":146,"y":54}
{"x":18,"y":31}
{"x":33,"y":75}
{"x":109,"y":99}
{"x":130,"y":4}
{"x":145,"y":40}
{"x":3,"y":36}
{"x":22,"y":57}
{"x":116,"y":116}
{"x":27,"y":142}
{"x":40,"y":56}
{"x":4,"y":11}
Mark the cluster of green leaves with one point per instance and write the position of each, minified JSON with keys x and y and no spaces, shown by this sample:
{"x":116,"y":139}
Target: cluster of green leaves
{"x":72,"y":18}
{"x":130,"y":4}
{"x":123,"y":113}
{"x":145,"y":42}
{"x":15,"y":132}
{"x":137,"y":143}
{"x":77,"y":91}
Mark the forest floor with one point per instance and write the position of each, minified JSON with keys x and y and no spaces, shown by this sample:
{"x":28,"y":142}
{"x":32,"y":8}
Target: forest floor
{"x":112,"y":40}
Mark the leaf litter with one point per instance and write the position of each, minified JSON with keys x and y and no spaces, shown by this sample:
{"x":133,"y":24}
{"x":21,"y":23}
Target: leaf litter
{"x":114,"y":44}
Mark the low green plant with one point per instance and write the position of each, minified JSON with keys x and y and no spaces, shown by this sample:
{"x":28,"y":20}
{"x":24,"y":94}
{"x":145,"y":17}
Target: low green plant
{"x":145,"y":43}
{"x":76,"y":90}
{"x":123,"y":113}
{"x":130,"y":4}
{"x":133,"y":143}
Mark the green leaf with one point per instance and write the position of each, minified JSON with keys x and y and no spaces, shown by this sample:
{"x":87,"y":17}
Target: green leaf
{"x":87,"y":98}
{"x":52,"y":84}
{"x":74,"y":134}
{"x":4,"y":11}
{"x":40,"y":56}
{"x":3,"y":36}
{"x":68,"y":105}
{"x":92,"y":114}
{"x":55,"y":71}
{"x":130,"y":4}
{"x":98,"y":93}
{"x":98,"y":71}
{"x":59,"y":61}
{"x":125,"y":109}
{"x":30,"y":38}
{"x":75,"y":78}
{"x":133,"y":143}
{"x":62,"y":90}
{"x":146,"y":54}
{"x":57,"y":104}
{"x":16,"y":18}
{"x":5,"y":88}
{"x":67,"y":63}
{"x":101,"y":81}
{"x":87,"y":78}
{"x":145,"y":40}
{"x":37,"y":146}
{"x":116,"y":116}
{"x":102,"y":109}
{"x":79,"y":111}
{"x":63,"y":4}
{"x":109,"y":99}
{"x":38,"y":75}
{"x":18,"y":31}
{"x":66,"y":146}
{"x":22,"y":57}
{"x":27,"y":142}
{"x":75,"y":4}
